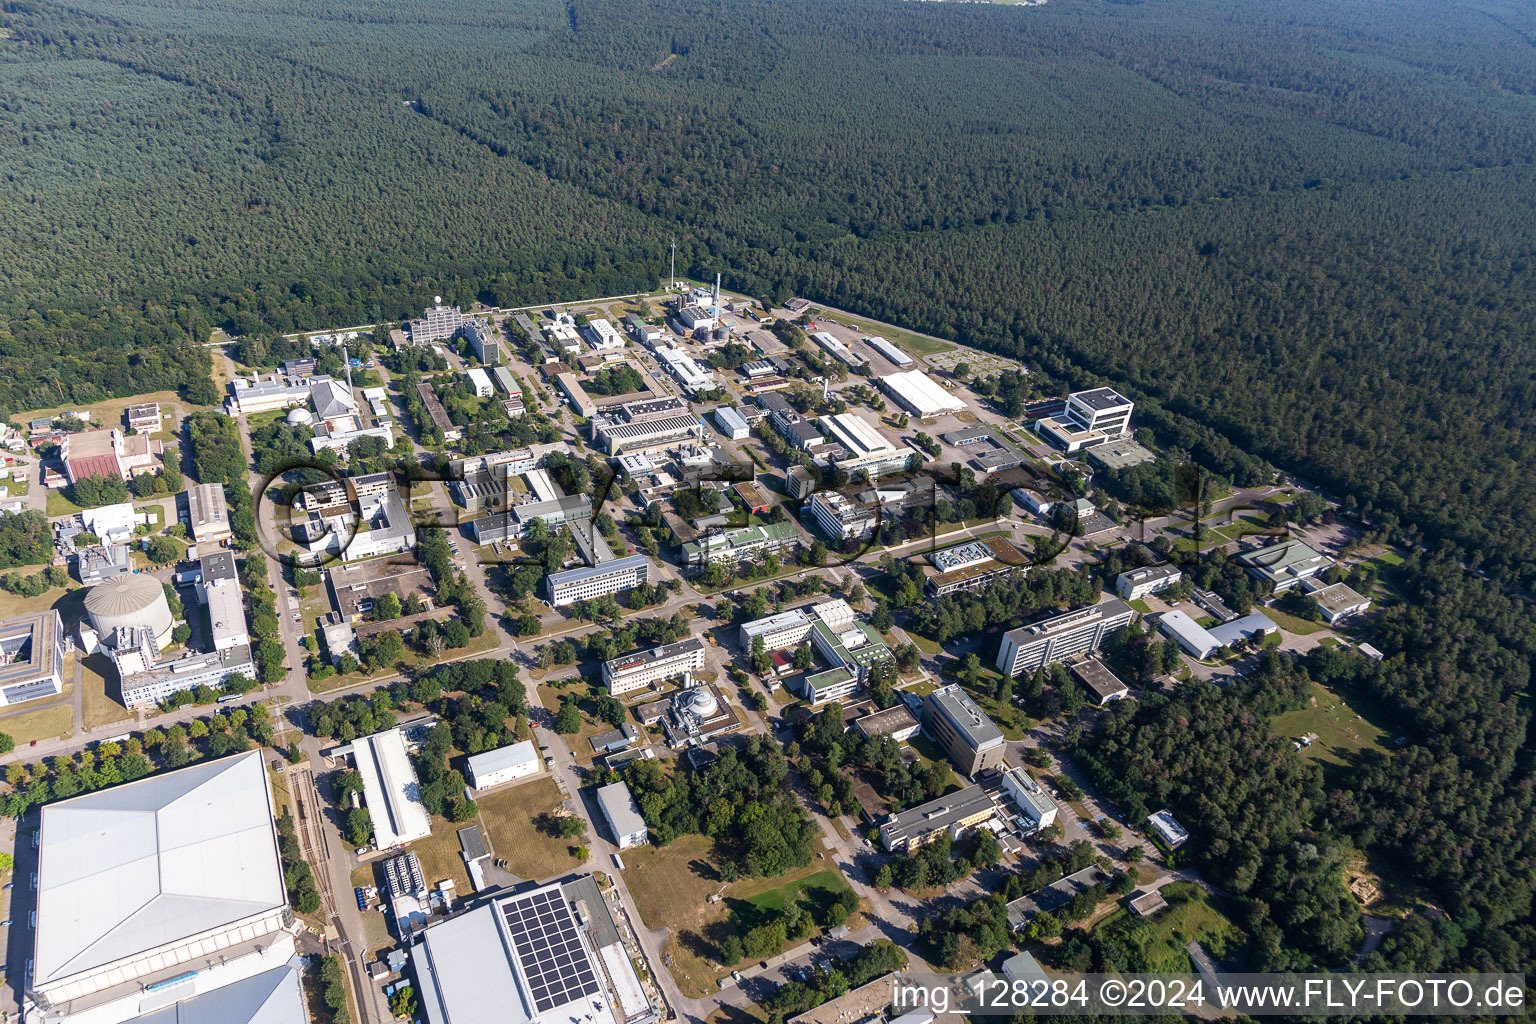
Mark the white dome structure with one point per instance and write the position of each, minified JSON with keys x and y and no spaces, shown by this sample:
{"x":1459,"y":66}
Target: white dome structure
{"x":131,"y":601}
{"x":299,"y":416}
{"x":701,"y":703}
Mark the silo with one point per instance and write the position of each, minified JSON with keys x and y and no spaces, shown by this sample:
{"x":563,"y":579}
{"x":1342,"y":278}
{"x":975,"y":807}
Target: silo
{"x":136,"y":600}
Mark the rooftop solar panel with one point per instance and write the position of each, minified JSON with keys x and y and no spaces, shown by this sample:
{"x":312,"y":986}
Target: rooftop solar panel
{"x":549,"y":949}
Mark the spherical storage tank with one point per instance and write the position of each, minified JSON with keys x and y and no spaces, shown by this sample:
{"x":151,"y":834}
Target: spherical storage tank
{"x":300,"y":416}
{"x":133,"y":600}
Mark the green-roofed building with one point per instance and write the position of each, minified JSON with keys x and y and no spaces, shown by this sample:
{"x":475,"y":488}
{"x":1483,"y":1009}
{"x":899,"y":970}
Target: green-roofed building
{"x":736,"y":545}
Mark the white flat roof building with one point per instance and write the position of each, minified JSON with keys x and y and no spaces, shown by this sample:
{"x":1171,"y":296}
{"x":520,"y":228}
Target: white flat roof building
{"x":638,"y":669}
{"x":622,"y":815}
{"x":602,"y":336}
{"x":145,"y":882}
{"x":785,"y":629}
{"x":1193,"y":637}
{"x":493,"y":767}
{"x":391,"y":789}
{"x":869,"y":450}
{"x":1134,"y":584}
{"x":1035,"y":807}
{"x":208,"y":513}
{"x":890,"y":351}
{"x":916,"y":392}
{"x":481,"y":382}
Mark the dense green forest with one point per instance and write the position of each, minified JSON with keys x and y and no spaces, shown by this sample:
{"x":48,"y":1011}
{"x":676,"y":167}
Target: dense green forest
{"x":1305,"y":228}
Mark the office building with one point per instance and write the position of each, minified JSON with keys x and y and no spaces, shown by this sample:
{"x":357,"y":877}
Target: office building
{"x":481,"y":341}
{"x":622,"y":814}
{"x":965,"y":732}
{"x":1061,"y":636}
{"x":799,"y":482}
{"x":952,"y":813}
{"x":897,"y":722}
{"x":390,"y":789}
{"x":857,"y":647}
{"x":1036,"y":809}
{"x":1254,"y":624}
{"x":437,"y":323}
{"x":436,"y":412}
{"x":646,"y":435}
{"x":1338,"y":601}
{"x":837,"y":683}
{"x":31,"y":657}
{"x":639,"y":669}
{"x":1168,"y":828}
{"x":1134,"y":584}
{"x":591,"y":581}
{"x":208,"y":513}
{"x":146,"y":681}
{"x":841,"y":517}
{"x":917,"y":393}
{"x":1090,"y":418}
{"x":504,"y":764}
{"x":163,"y":900}
{"x":786,"y":629}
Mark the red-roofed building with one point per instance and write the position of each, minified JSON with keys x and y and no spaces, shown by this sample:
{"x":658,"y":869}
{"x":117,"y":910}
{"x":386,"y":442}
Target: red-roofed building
{"x":109,"y":453}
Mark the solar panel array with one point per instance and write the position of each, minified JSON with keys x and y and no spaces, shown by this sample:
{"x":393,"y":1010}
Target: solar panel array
{"x":549,"y":949}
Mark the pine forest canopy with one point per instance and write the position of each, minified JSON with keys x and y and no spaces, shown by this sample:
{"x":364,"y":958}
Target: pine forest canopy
{"x":1302,"y":227}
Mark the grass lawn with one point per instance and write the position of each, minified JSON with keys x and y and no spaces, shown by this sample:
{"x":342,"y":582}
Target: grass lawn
{"x":99,"y":706}
{"x":42,"y":724}
{"x":509,"y":817}
{"x":439,"y":856}
{"x":671,"y":885}
{"x":902,"y":339}
{"x":1141,"y":606}
{"x":14,"y":604}
{"x":58,"y":505}
{"x":1161,"y":939}
{"x":1292,"y":624}
{"x":1342,"y":728}
{"x":550,"y":695}
{"x":108,"y":413}
{"x":924,"y":644}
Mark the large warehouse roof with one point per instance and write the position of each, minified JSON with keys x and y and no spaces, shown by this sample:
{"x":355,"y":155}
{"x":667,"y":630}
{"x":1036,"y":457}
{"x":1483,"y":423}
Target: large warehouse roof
{"x":917,"y":391}
{"x":128,"y":869}
{"x":391,"y":789}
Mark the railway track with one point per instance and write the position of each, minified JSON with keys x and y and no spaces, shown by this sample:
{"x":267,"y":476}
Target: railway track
{"x":312,"y":839}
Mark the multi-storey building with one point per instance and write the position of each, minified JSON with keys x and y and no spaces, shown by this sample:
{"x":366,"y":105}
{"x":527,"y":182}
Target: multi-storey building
{"x":953,"y":813}
{"x":867,"y":448}
{"x":1090,"y":418}
{"x":1134,"y":584}
{"x":481,"y":342}
{"x":1036,"y":809}
{"x":786,"y":629}
{"x":639,"y":669}
{"x":965,"y":732}
{"x":31,"y":657}
{"x":591,"y":581}
{"x":972,"y":565}
{"x":1061,"y":636}
{"x":841,"y":517}
{"x":602,"y":336}
{"x":437,"y":323}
